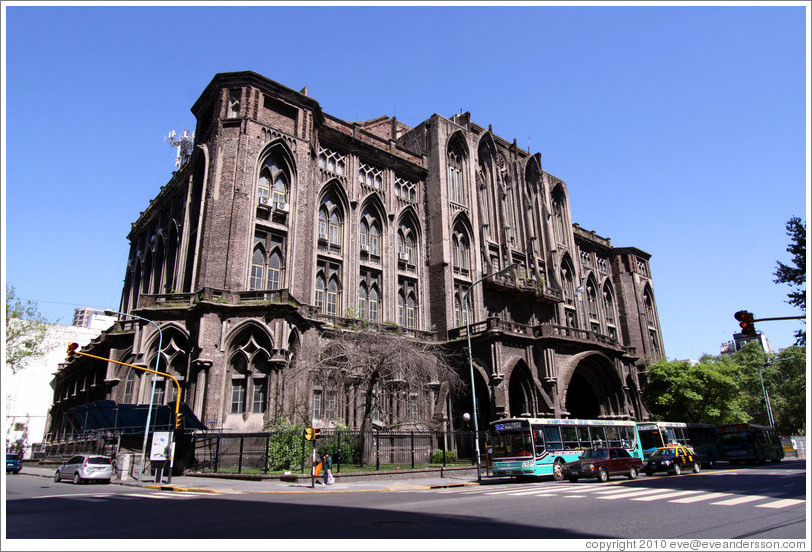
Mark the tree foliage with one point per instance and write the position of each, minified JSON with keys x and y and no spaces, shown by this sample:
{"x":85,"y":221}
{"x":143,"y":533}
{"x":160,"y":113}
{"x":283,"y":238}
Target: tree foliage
{"x":728,"y":389}
{"x":25,"y":331}
{"x":795,"y":274}
{"x":379,"y":364}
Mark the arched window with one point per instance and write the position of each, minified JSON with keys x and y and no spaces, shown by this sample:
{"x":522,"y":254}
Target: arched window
{"x":609,"y":304}
{"x":362,"y":300}
{"x":332,"y":296}
{"x":460,"y":257}
{"x":320,"y":291}
{"x":130,"y":387}
{"x":407,"y":244}
{"x":592,"y":300}
{"x":456,"y":173}
{"x":568,"y":283}
{"x":373,"y":304}
{"x":274,"y":270}
{"x":257,"y":268}
{"x":559,"y":208}
{"x":369,"y":229}
{"x":273,"y":181}
{"x":249,"y":373}
{"x":331,"y":220}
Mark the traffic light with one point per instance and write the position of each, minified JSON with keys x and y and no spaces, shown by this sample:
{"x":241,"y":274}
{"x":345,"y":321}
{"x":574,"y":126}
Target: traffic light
{"x":745,"y":319}
{"x":178,"y":420}
{"x":71,"y":348}
{"x":311,"y":433}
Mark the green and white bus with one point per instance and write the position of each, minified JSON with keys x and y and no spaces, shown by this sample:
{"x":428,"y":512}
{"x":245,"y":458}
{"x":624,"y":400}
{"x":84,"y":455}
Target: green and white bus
{"x":541,"y":446}
{"x":703,"y":439}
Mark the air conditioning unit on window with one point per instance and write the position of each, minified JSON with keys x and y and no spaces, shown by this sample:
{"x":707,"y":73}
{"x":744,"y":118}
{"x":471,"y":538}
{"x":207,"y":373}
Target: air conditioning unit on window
{"x":282,"y":207}
{"x":264,"y":201}
{"x":323,"y":236}
{"x":365,"y":248}
{"x":403,"y":257}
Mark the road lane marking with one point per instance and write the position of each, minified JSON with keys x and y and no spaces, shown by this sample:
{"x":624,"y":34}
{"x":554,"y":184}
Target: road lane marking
{"x":631,"y":494}
{"x":667,"y":494}
{"x":781,"y":503}
{"x":740,"y":500}
{"x":699,"y":498}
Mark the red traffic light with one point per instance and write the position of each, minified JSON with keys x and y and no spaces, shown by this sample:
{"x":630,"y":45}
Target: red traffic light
{"x":745,"y":319}
{"x":71,"y":348}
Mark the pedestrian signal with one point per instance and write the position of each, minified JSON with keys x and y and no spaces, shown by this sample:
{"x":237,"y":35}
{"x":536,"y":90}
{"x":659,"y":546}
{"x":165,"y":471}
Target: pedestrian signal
{"x":745,"y":319}
{"x":71,"y":348}
{"x":311,"y":433}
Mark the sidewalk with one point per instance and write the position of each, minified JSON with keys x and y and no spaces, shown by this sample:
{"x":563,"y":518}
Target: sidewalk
{"x":219,"y":483}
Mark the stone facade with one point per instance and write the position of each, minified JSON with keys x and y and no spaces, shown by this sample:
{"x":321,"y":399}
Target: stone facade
{"x":285,"y":221}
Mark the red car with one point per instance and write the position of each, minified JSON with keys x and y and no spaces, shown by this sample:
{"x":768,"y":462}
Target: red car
{"x":600,"y":463}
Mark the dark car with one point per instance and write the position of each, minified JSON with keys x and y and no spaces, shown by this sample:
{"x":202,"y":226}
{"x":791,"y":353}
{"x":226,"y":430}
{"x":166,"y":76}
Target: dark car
{"x":672,"y":459}
{"x":14,"y":462}
{"x":600,"y":463}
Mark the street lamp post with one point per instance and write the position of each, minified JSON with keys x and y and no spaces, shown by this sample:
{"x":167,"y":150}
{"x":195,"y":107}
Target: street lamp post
{"x":471,"y":368}
{"x":770,"y":418}
{"x":110,"y":312}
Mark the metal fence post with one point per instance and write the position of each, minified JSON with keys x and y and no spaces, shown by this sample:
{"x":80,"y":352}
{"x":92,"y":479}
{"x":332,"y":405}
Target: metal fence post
{"x":267,"y":452}
{"x":412,"y":449}
{"x":217,"y":455}
{"x":303,"y":450}
{"x":239,"y":462}
{"x":378,"y":452}
{"x":338,"y":464}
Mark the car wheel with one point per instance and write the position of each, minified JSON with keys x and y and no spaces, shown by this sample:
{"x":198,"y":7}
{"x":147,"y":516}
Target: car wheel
{"x":573,"y":479}
{"x":676,"y":470}
{"x":558,"y":470}
{"x":57,"y":477}
{"x":696,"y":467}
{"x":76,"y":478}
{"x":633,"y":472}
{"x":603,"y":475}
{"x":649,"y":472}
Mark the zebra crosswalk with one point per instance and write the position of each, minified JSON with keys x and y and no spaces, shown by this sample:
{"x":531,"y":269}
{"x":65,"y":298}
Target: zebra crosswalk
{"x":106,"y":497}
{"x":624,"y":492}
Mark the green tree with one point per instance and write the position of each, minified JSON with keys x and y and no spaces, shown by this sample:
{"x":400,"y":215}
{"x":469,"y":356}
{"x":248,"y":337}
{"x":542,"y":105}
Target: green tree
{"x":25,"y":331}
{"x":795,"y":274}
{"x":705,"y":392}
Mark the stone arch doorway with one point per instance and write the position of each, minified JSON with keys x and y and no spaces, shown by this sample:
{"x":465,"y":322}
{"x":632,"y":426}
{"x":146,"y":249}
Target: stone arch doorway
{"x":594,"y":389}
{"x":521,"y":392}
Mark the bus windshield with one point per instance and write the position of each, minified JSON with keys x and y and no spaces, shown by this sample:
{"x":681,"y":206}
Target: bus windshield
{"x":513,"y":444}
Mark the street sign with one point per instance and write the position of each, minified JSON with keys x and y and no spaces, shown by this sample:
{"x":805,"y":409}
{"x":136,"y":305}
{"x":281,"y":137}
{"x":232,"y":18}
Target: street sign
{"x":160,"y":446}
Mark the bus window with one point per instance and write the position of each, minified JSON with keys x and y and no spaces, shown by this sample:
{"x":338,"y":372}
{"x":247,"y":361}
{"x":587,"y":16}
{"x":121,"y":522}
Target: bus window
{"x":583,"y":436}
{"x":613,"y":436}
{"x":597,"y":436}
{"x":552,"y":437}
{"x":538,"y":440}
{"x":512,"y":444}
{"x":626,"y":437}
{"x":570,"y":435}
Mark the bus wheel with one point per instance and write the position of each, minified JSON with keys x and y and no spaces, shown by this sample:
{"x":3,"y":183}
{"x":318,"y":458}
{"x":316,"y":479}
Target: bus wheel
{"x":558,"y":470}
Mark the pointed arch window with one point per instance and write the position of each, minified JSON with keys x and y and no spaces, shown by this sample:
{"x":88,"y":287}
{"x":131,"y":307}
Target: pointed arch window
{"x":273,"y":184}
{"x":407,"y":304}
{"x":332,"y":296}
{"x":129,"y":387}
{"x":267,"y":261}
{"x":407,"y":245}
{"x":592,"y":300}
{"x":257,"y":268}
{"x":331,"y":222}
{"x":559,"y":208}
{"x":370,"y":233}
{"x":456,"y":171}
{"x":320,"y":291}
{"x":460,"y":252}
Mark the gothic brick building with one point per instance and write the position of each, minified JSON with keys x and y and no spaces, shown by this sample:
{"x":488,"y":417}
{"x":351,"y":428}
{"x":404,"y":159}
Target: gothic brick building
{"x":284,"y":221}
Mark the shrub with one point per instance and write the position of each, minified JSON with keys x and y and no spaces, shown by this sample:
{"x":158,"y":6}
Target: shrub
{"x":285,"y":446}
{"x":437,"y":456}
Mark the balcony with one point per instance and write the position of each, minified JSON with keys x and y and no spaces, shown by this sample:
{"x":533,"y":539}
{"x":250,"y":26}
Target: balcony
{"x":539,"y":332}
{"x":524,"y":288}
{"x":212,"y":295}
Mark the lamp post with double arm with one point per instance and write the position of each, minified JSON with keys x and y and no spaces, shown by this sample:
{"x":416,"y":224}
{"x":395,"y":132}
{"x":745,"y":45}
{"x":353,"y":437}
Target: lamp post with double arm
{"x":471,"y":367}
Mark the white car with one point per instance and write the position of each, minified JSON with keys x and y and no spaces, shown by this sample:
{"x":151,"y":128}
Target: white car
{"x":85,"y":467}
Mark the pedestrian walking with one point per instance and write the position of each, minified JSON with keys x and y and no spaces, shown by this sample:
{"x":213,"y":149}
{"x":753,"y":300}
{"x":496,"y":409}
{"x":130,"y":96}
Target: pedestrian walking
{"x":327,"y":467}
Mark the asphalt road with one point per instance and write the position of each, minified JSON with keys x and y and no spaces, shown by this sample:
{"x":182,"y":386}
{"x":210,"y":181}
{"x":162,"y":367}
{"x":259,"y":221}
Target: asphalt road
{"x":759,"y":502}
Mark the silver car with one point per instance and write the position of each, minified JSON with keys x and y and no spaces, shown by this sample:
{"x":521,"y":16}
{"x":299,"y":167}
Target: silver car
{"x":85,"y":467}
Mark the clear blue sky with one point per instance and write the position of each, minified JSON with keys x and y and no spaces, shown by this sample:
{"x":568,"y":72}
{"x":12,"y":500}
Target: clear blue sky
{"x":682,"y":131}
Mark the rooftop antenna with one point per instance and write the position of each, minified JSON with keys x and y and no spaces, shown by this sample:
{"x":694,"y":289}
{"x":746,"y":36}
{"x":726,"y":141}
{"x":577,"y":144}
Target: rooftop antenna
{"x":184,"y":144}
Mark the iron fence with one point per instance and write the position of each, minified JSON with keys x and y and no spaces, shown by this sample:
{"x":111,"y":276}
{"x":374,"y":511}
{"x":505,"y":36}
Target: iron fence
{"x":290,"y":451}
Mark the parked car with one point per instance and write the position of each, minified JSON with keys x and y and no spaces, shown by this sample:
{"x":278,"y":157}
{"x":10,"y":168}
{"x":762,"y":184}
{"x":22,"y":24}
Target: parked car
{"x":672,"y":459}
{"x":14,"y":462}
{"x":600,"y":463}
{"x":85,"y":467}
